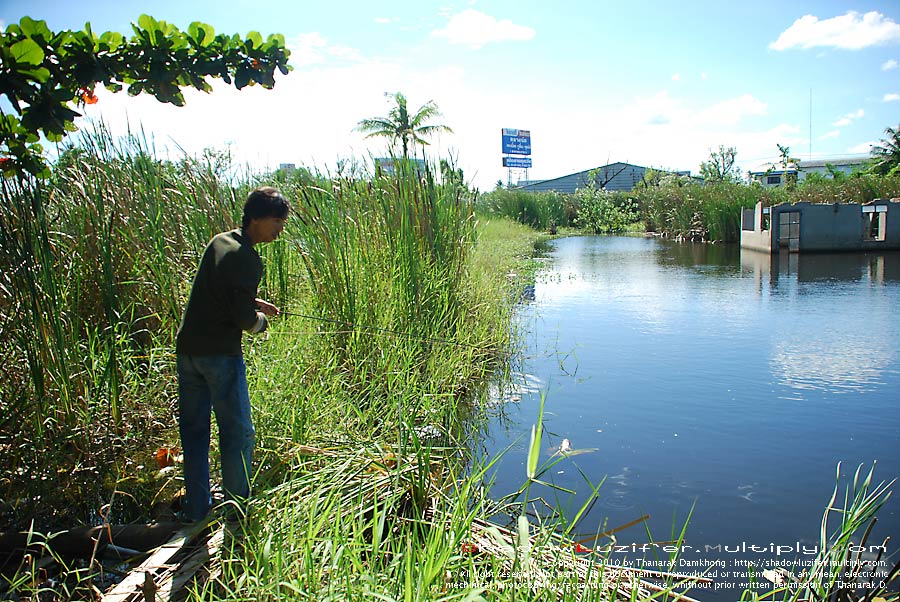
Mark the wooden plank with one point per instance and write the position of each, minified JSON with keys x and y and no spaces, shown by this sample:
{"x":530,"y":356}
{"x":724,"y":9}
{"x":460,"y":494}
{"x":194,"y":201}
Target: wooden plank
{"x":171,"y":586}
{"x":133,"y":587}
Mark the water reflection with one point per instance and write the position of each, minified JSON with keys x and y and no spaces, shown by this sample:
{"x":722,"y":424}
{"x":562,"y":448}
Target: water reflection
{"x":711,"y":380}
{"x":781,"y":268}
{"x":847,"y":349}
{"x":834,"y":362}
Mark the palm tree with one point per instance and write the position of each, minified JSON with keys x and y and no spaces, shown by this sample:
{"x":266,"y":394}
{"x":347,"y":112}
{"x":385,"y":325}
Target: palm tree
{"x":398,"y":125}
{"x":887,"y":155}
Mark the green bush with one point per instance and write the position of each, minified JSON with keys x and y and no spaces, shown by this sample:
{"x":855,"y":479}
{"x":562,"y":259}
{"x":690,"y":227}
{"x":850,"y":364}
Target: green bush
{"x":603,"y":212}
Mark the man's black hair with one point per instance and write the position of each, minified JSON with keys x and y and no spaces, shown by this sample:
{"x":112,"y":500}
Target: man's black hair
{"x":264,"y":202}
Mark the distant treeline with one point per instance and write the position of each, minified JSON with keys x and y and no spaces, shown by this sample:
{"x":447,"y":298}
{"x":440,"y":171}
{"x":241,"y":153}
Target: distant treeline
{"x":676,"y":207}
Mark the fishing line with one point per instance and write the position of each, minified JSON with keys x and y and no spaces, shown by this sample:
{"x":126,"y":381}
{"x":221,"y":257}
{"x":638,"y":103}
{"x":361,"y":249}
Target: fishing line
{"x":375,"y":329}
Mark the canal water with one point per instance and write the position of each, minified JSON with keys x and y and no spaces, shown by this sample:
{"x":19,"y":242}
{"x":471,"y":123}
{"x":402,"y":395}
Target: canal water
{"x":712,"y":382}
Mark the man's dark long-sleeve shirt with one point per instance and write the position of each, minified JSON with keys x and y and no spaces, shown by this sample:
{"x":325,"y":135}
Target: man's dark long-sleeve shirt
{"x":222,"y":303}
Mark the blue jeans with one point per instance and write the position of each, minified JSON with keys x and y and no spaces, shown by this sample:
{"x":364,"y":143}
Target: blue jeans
{"x":214,"y":383}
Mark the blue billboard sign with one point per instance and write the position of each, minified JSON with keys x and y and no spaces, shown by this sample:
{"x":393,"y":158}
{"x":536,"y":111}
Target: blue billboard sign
{"x":516,"y":142}
{"x":517,"y":162}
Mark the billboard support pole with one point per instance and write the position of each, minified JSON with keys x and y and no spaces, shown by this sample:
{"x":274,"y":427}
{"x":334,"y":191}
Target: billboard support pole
{"x":516,"y":149}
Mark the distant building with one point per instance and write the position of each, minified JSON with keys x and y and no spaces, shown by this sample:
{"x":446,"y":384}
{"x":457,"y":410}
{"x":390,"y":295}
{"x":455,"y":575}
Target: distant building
{"x":388,"y":165}
{"x":288,"y":167}
{"x":775,"y":174}
{"x":615,"y":176}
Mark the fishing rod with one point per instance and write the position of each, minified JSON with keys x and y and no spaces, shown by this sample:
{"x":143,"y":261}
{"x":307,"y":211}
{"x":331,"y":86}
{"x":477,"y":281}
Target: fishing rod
{"x":376,"y":329}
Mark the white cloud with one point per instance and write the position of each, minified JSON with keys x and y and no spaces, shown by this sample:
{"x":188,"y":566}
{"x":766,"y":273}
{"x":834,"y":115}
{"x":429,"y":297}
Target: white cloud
{"x":862,"y":148}
{"x":732,"y":111}
{"x":848,"y":119}
{"x":313,"y":49}
{"x":307,"y":119}
{"x":889,"y":64}
{"x":660,"y":130}
{"x":830,"y":135}
{"x":891,"y":97}
{"x":849,"y":32}
{"x":383,"y":20}
{"x":703,"y":76}
{"x":474,"y":29}
{"x":676,"y":77}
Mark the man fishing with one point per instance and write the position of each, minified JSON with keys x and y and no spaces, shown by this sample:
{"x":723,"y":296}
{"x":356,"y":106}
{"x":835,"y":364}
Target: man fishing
{"x":212,"y":375}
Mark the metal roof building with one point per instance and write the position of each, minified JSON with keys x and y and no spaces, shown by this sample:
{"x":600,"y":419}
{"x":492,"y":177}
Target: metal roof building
{"x":615,"y":176}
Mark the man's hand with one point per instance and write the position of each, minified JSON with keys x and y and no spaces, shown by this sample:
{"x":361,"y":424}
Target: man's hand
{"x":267,"y":308}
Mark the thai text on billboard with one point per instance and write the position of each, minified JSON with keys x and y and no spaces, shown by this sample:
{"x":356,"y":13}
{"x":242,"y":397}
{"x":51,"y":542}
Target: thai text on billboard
{"x":517,"y":162}
{"x":516,"y":142}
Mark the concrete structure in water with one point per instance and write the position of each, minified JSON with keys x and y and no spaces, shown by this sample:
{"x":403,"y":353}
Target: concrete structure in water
{"x":804,"y":227}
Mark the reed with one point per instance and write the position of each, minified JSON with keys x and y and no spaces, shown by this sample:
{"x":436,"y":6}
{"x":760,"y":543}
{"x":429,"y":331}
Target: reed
{"x":97,"y":263}
{"x":676,"y":208}
{"x":712,"y":212}
{"x":363,"y":520}
{"x":540,"y":210}
{"x":845,"y":567}
{"x":398,"y":306}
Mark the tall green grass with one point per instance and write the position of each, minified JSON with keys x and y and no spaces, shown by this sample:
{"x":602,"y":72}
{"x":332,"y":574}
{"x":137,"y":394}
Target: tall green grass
{"x":405,"y":522}
{"x":712,"y":212}
{"x":398,"y":303}
{"x":540,"y":210}
{"x":401,"y":326}
{"x":94,"y":272}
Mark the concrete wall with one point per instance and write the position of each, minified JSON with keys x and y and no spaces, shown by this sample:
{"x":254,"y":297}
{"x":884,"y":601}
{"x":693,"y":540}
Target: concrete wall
{"x":839,"y":227}
{"x":752,"y":234}
{"x":757,"y":241}
{"x":834,"y":227}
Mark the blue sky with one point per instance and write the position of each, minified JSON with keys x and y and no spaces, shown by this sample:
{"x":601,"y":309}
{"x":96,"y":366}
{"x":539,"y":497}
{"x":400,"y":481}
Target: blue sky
{"x":652,"y":83}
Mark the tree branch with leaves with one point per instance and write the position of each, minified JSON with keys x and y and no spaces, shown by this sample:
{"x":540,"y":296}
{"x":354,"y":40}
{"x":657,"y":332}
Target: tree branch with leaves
{"x":721,"y":166}
{"x":47,"y":76}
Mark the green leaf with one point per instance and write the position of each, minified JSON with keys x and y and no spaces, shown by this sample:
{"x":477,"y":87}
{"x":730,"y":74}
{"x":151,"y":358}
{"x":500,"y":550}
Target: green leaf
{"x":147,"y":22}
{"x":202,"y":33}
{"x":522,"y":532}
{"x":40,"y":74}
{"x":243,"y":77}
{"x":151,"y":29}
{"x":27,"y":51}
{"x":534,"y":451}
{"x":32,"y":28}
{"x":89,"y":37}
{"x":112,"y":39}
{"x":255,"y":39}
